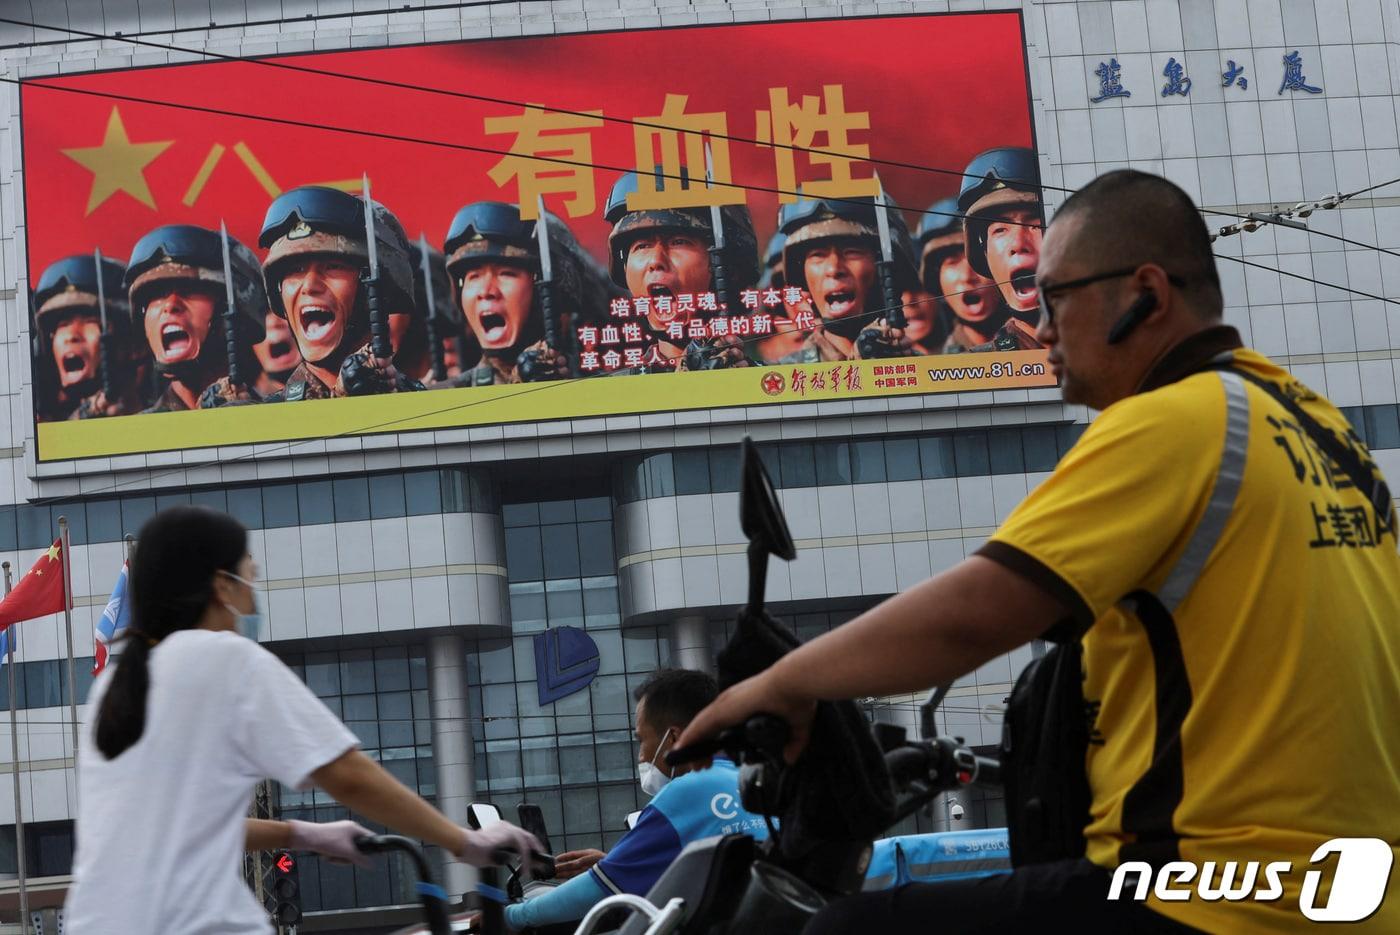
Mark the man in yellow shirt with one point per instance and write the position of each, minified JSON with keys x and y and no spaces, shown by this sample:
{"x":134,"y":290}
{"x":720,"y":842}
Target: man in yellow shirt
{"x":1237,"y":595}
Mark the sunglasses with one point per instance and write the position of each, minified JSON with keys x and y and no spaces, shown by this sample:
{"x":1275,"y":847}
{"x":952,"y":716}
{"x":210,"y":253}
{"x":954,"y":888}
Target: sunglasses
{"x":1048,"y":293}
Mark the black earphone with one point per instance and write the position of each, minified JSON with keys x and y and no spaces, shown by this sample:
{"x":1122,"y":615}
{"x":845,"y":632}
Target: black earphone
{"x":1136,"y":314}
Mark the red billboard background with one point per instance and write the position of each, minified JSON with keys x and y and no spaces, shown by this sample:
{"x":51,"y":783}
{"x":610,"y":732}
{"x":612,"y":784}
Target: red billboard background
{"x":100,"y":170}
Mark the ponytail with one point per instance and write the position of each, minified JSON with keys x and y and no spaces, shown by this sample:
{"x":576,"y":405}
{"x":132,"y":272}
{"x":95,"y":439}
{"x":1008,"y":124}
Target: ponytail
{"x":171,"y":580}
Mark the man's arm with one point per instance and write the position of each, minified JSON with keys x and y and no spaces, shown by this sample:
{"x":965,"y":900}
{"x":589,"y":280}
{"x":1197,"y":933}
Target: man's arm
{"x":565,"y":903}
{"x":931,"y":634}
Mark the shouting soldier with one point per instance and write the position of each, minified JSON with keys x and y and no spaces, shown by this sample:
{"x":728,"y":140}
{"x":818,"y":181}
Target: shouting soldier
{"x":277,"y":355}
{"x":317,"y":274}
{"x":665,"y":259}
{"x":179,"y":300}
{"x":88,"y":363}
{"x":969,"y":303}
{"x":1004,"y":222}
{"x":833,"y":249}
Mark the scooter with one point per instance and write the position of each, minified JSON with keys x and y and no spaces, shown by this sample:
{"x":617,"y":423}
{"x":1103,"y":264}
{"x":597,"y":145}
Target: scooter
{"x":733,"y":884}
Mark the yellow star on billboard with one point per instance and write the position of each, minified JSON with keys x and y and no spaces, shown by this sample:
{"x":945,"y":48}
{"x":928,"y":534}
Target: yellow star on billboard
{"x":117,"y":165}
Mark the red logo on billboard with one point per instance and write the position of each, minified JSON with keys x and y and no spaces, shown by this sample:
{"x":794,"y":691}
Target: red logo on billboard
{"x":773,"y":383}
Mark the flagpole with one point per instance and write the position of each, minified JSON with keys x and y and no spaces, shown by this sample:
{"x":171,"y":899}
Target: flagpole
{"x":68,"y":631}
{"x":14,"y":762}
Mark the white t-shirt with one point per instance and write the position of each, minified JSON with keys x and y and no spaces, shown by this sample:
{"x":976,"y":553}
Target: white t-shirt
{"x":160,"y":830}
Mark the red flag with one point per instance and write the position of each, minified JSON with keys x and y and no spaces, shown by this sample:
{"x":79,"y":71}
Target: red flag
{"x":38,"y":593}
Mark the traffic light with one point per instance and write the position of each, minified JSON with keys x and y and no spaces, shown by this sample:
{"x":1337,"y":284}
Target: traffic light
{"x":286,"y":893}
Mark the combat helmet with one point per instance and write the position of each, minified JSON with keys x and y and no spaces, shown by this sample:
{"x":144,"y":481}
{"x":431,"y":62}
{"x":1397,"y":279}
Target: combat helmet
{"x":1004,"y":176}
{"x":317,"y":221}
{"x":740,"y":240}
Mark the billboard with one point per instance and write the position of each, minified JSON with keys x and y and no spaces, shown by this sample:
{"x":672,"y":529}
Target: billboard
{"x":562,"y":226}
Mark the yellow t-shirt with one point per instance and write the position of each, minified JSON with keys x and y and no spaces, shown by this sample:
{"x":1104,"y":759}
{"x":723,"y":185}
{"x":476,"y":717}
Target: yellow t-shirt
{"x":1260,"y":717}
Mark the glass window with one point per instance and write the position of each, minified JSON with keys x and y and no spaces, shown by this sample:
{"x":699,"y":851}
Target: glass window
{"x":595,"y":550}
{"x":1383,"y":426}
{"x":323,"y":673}
{"x":1004,"y":448}
{"x":1039,"y":444}
{"x":37,"y":529}
{"x":356,"y":672}
{"x":576,"y":763}
{"x":523,"y":556}
{"x":833,"y":463}
{"x":600,"y":608}
{"x":42,"y":688}
{"x":503,"y":765}
{"x":279,"y":502}
{"x":617,"y":802}
{"x":213,"y":499}
{"x":165,"y":501}
{"x":423,"y":493}
{"x":616,"y":754}
{"x":386,"y":497}
{"x":626,"y":479}
{"x":135,"y":512}
{"x":50,"y":847}
{"x":560,"y":546}
{"x":316,"y":502}
{"x":104,"y":519}
{"x":581,"y":810}
{"x":970,"y":452}
{"x":798,"y":467}
{"x":245,"y":504}
{"x":391,"y":668}
{"x":556,"y":511}
{"x":724,"y":469}
{"x":520,"y":514}
{"x":936,"y":457}
{"x":351,"y":496}
{"x":1067,"y":435}
{"x":564,"y":599}
{"x":540,"y":761}
{"x":527,"y":608}
{"x":692,"y":472}
{"x":77,"y":521}
{"x":456,"y":492}
{"x":868,"y":462}
{"x":902,"y":459}
{"x":592,"y":509}
{"x":661,"y":478}
{"x":8,"y":537}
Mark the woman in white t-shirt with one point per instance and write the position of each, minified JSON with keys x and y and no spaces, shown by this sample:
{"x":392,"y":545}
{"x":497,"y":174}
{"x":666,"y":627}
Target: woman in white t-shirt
{"x":193,"y":715}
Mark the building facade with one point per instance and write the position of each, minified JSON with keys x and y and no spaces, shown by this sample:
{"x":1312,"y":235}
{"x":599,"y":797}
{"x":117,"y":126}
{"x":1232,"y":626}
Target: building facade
{"x":409,"y":575}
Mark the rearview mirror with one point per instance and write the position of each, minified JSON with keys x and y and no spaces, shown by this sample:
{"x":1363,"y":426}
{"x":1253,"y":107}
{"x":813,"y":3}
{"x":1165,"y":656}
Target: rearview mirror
{"x":481,"y":815}
{"x":761,"y":517}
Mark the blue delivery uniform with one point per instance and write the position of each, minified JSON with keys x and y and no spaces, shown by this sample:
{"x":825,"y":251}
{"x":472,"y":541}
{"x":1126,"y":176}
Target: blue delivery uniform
{"x":699,"y":804}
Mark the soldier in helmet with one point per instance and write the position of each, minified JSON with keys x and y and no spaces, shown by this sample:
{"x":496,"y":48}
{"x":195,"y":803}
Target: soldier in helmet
{"x":175,"y":281}
{"x":969,"y":303}
{"x":277,"y":355}
{"x":664,"y":254}
{"x":315,"y":270}
{"x":833,"y":250}
{"x":1004,"y":222}
{"x":70,"y":340}
{"x":493,"y":261}
{"x":786,"y":338}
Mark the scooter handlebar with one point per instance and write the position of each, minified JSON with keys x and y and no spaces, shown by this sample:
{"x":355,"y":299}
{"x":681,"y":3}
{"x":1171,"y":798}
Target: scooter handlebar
{"x":433,"y":897}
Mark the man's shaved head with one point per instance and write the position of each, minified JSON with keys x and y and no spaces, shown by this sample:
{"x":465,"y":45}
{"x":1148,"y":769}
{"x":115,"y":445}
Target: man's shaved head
{"x":1132,"y":217}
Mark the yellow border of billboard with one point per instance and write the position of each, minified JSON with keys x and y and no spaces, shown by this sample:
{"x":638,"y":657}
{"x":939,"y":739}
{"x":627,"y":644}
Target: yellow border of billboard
{"x":541,"y":402}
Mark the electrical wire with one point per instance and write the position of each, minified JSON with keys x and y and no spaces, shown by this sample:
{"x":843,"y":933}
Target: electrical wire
{"x":308,"y":18}
{"x":464,"y":95}
{"x":466,"y":147}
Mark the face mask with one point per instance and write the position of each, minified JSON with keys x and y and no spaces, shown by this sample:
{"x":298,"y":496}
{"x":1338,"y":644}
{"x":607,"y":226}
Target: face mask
{"x":652,"y":778}
{"x":249,"y":625}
